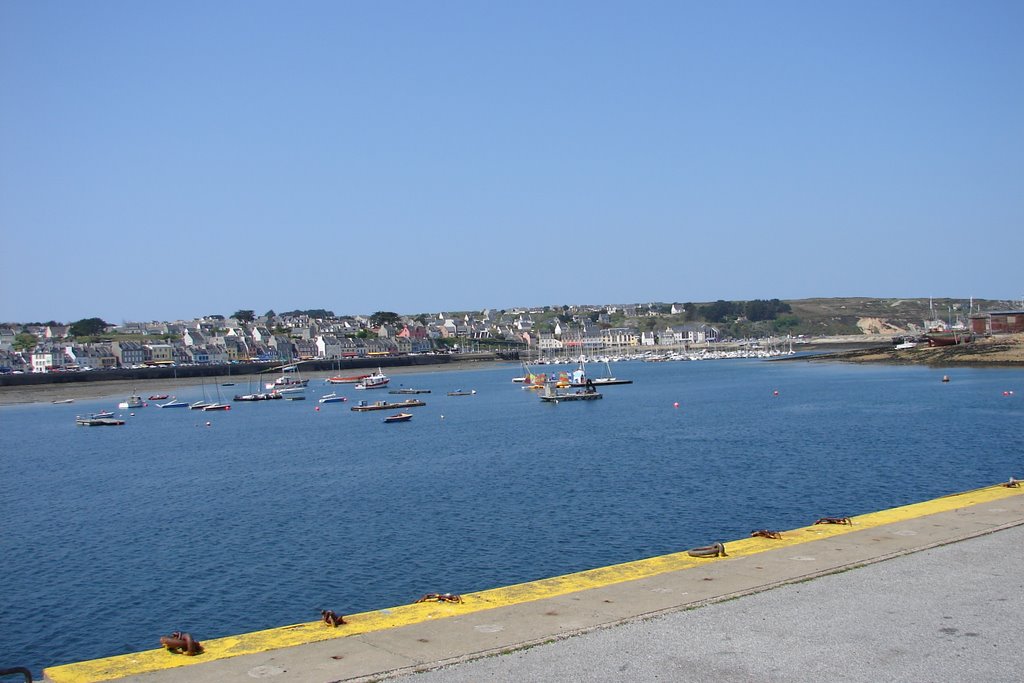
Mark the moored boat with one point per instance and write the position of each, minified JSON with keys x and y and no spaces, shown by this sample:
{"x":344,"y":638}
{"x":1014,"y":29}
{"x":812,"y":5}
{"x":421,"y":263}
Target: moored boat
{"x":353,"y":379}
{"x":581,"y":379}
{"x":291,"y":391}
{"x":398,"y":417}
{"x":553,"y":395}
{"x":460,"y":392}
{"x":173,"y":403}
{"x":378,"y":380}
{"x":948,"y":337}
{"x":134,"y":401}
{"x":268,"y":396}
{"x":159,"y":397}
{"x":332,"y":398}
{"x":98,"y":422}
{"x":363,"y":406}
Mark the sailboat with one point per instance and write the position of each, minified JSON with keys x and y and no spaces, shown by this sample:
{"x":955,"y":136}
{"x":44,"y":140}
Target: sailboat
{"x":200,"y":405}
{"x":219,"y":405}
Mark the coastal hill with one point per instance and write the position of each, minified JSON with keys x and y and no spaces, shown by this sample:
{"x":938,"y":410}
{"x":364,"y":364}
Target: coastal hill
{"x":854,"y":315}
{"x":817,"y":317}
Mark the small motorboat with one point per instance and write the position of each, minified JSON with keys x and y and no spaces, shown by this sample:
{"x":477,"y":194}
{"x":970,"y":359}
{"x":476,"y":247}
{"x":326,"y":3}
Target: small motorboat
{"x":172,"y":404}
{"x":102,"y":415}
{"x":460,"y":392}
{"x":398,"y":417}
{"x":64,"y":400}
{"x":332,"y":398}
{"x":159,"y":397}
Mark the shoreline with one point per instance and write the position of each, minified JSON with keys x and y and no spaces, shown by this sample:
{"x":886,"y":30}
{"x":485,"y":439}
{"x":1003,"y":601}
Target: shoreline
{"x":1004,"y":351}
{"x":121,"y":389}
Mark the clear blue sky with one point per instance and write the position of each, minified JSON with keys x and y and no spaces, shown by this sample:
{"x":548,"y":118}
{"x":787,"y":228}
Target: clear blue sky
{"x":164,"y":160}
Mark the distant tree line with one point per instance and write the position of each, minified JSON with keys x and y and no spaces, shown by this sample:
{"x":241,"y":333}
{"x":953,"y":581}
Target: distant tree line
{"x":754,"y":311}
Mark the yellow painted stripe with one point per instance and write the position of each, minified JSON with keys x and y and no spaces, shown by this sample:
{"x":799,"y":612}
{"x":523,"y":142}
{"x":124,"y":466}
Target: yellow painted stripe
{"x":404,"y":615}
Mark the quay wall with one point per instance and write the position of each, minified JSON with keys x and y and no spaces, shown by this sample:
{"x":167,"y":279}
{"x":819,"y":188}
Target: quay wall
{"x":244,"y":369}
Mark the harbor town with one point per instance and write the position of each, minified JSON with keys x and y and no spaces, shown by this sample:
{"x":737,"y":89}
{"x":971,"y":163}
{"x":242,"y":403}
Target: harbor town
{"x":559,"y":334}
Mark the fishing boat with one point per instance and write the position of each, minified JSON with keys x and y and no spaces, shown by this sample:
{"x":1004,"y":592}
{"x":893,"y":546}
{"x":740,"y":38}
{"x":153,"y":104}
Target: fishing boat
{"x":332,"y":398}
{"x":460,"y":392}
{"x":173,"y":403}
{"x":948,"y":337}
{"x":398,"y":417}
{"x":132,"y":402}
{"x":378,"y":380}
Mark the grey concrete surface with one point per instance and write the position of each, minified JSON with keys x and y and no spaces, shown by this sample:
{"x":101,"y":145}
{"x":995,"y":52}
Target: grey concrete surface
{"x":933,"y":598}
{"x":952,"y":613}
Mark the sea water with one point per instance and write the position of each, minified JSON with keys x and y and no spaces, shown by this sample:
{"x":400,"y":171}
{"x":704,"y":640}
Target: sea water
{"x":261,"y":516}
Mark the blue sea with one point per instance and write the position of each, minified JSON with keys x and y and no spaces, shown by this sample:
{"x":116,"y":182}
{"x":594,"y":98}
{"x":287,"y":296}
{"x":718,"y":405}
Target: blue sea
{"x":112,"y":537}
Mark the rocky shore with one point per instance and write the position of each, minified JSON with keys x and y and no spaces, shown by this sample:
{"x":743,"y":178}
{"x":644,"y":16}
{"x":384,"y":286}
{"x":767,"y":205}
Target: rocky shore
{"x":1001,"y":351}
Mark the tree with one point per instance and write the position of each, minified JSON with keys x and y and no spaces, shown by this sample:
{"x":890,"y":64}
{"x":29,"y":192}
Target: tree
{"x":25,"y":341}
{"x":87,"y":327}
{"x":244,"y":316}
{"x":719,"y":311}
{"x":270,"y":315}
{"x":384,"y":318}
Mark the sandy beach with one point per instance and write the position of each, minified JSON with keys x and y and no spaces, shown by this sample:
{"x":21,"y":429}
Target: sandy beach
{"x":121,"y":389}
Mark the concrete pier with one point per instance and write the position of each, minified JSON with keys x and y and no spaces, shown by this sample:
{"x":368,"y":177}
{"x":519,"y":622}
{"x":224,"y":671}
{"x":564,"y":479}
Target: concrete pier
{"x":626,"y":605}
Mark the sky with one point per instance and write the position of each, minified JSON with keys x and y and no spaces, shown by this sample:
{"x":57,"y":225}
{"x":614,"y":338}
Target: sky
{"x":168,"y":160}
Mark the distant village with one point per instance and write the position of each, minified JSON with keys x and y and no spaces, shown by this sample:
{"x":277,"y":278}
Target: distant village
{"x":216,"y":340}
